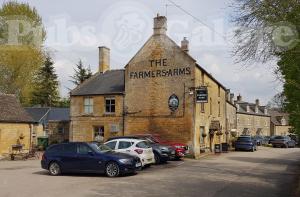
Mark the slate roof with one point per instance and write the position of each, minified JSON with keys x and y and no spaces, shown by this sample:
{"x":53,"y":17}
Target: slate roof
{"x":46,"y":114}
{"x":277,"y":115}
{"x":109,"y":82}
{"x":243,"y":109}
{"x":11,"y":110}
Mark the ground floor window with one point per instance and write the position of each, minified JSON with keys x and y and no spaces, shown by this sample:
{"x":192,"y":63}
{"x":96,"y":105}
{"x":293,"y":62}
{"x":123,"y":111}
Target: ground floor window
{"x":99,"y":133}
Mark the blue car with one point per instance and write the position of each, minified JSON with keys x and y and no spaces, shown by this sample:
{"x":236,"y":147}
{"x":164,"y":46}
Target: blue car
{"x":246,"y":143}
{"x":87,"y":158}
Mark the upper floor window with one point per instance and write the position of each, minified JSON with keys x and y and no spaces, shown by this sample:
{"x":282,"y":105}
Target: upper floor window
{"x":88,"y":105}
{"x":219,"y":108}
{"x":110,"y":105}
{"x":219,"y":91}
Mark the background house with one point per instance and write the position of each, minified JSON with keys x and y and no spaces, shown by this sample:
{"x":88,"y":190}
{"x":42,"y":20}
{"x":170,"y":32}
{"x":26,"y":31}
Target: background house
{"x":279,"y":122}
{"x":50,"y":124}
{"x":15,"y":124}
{"x":252,"y":119}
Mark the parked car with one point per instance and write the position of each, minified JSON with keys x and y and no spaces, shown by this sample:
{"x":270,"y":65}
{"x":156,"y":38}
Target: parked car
{"x":261,"y":140}
{"x":295,"y":138}
{"x":271,"y":139}
{"x":245,"y":142}
{"x":88,"y":158}
{"x":283,"y":142}
{"x":135,"y":147}
{"x":162,"y":153}
{"x":180,"y":149}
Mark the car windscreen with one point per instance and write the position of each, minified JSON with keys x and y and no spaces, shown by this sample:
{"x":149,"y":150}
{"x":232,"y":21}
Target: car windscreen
{"x":244,"y":139}
{"x":100,"y":148}
{"x":143,"y":144}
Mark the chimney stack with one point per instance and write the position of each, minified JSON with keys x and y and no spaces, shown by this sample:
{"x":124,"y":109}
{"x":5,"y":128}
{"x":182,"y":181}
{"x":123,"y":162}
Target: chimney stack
{"x":160,"y":25}
{"x":104,"y":59}
{"x":231,"y":97}
{"x":239,"y":98}
{"x":257,"y":102}
{"x":185,"y":45}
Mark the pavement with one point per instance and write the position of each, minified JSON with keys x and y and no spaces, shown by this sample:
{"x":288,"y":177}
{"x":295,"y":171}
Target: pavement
{"x":266,"y":172}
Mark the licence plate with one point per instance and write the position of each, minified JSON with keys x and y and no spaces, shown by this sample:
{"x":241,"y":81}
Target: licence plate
{"x":173,"y":152}
{"x":138,"y":165}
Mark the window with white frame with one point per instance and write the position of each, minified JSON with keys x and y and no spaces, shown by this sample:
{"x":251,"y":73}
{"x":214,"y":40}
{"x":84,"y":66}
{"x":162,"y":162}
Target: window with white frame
{"x":88,"y":105}
{"x":110,"y":105}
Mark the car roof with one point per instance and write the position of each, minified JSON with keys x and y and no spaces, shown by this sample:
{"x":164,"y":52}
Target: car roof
{"x":127,"y":140}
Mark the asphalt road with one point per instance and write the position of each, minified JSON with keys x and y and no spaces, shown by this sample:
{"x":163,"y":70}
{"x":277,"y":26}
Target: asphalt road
{"x":267,"y":172}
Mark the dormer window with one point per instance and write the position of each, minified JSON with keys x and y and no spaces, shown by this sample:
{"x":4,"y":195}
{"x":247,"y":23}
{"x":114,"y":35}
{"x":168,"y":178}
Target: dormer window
{"x":248,"y":108}
{"x":256,"y":109}
{"x":266,"y":111}
{"x":283,"y":121}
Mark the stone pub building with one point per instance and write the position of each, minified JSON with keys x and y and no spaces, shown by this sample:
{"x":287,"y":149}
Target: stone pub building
{"x":162,"y":90}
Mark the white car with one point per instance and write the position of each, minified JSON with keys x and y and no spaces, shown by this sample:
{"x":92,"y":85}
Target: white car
{"x":136,"y":147}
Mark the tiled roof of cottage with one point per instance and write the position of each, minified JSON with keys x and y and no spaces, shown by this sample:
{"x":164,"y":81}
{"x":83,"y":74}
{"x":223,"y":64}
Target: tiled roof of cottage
{"x":11,"y":110}
{"x":109,"y":82}
{"x":277,"y":115}
{"x":46,"y":114}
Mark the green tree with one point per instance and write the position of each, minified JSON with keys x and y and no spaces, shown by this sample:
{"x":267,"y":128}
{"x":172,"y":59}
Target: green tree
{"x":46,"y":91}
{"x":20,"y":56}
{"x":81,"y":73}
{"x":278,"y":101}
{"x":63,"y":102}
{"x":269,"y":30}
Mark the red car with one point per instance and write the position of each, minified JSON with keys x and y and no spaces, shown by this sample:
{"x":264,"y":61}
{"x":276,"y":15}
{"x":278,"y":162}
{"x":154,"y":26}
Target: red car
{"x":180,"y":148}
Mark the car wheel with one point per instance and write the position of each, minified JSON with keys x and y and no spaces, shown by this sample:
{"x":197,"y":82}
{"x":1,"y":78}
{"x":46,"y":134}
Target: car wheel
{"x":54,"y":169}
{"x":157,"y":158}
{"x":112,"y":169}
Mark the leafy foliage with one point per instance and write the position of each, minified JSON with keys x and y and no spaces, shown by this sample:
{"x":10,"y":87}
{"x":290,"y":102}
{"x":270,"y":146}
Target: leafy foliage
{"x":81,"y":73}
{"x":19,"y":62}
{"x":268,"y":30}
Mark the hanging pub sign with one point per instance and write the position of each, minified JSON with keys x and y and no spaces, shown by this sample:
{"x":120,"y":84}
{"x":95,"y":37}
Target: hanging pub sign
{"x":173,"y":102}
{"x":201,"y":95}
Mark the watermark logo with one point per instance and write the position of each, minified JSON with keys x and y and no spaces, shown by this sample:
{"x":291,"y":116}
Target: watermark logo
{"x":285,"y":35}
{"x":20,"y":31}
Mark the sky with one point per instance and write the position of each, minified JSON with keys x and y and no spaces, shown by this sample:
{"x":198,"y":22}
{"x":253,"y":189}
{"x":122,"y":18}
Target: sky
{"x":75,"y":30}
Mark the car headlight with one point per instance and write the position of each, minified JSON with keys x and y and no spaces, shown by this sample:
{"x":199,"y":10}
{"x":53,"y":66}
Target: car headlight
{"x":125,"y":161}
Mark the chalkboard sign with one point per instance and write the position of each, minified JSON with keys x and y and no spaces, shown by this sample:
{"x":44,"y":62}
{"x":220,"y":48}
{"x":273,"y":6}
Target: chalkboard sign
{"x":201,"y":95}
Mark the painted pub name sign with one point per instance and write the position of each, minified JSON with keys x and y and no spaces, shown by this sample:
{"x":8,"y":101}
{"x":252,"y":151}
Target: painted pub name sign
{"x":162,"y":70}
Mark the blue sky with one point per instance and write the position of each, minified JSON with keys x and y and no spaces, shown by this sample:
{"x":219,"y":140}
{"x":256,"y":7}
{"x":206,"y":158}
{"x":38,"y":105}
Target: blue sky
{"x":75,"y":29}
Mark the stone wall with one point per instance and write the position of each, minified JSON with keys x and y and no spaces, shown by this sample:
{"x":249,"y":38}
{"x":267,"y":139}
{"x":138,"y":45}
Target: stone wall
{"x":10,"y":133}
{"x":160,"y":69}
{"x":253,"y":123}
{"x":58,"y":131}
{"x":212,"y":112}
{"x":82,"y":125}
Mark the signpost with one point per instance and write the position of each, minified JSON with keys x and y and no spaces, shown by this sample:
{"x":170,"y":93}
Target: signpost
{"x":201,"y":95}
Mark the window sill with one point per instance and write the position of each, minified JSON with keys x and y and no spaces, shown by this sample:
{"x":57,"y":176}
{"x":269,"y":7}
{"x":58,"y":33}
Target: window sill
{"x":87,"y":115}
{"x":109,"y":114}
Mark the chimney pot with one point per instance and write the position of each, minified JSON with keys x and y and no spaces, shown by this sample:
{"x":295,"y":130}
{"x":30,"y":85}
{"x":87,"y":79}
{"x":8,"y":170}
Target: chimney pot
{"x":160,"y":25}
{"x":104,"y":59}
{"x":185,"y":45}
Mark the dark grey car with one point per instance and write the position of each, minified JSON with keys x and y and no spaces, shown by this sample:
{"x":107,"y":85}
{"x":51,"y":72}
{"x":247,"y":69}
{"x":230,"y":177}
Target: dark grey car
{"x":162,"y":153}
{"x":283,"y":141}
